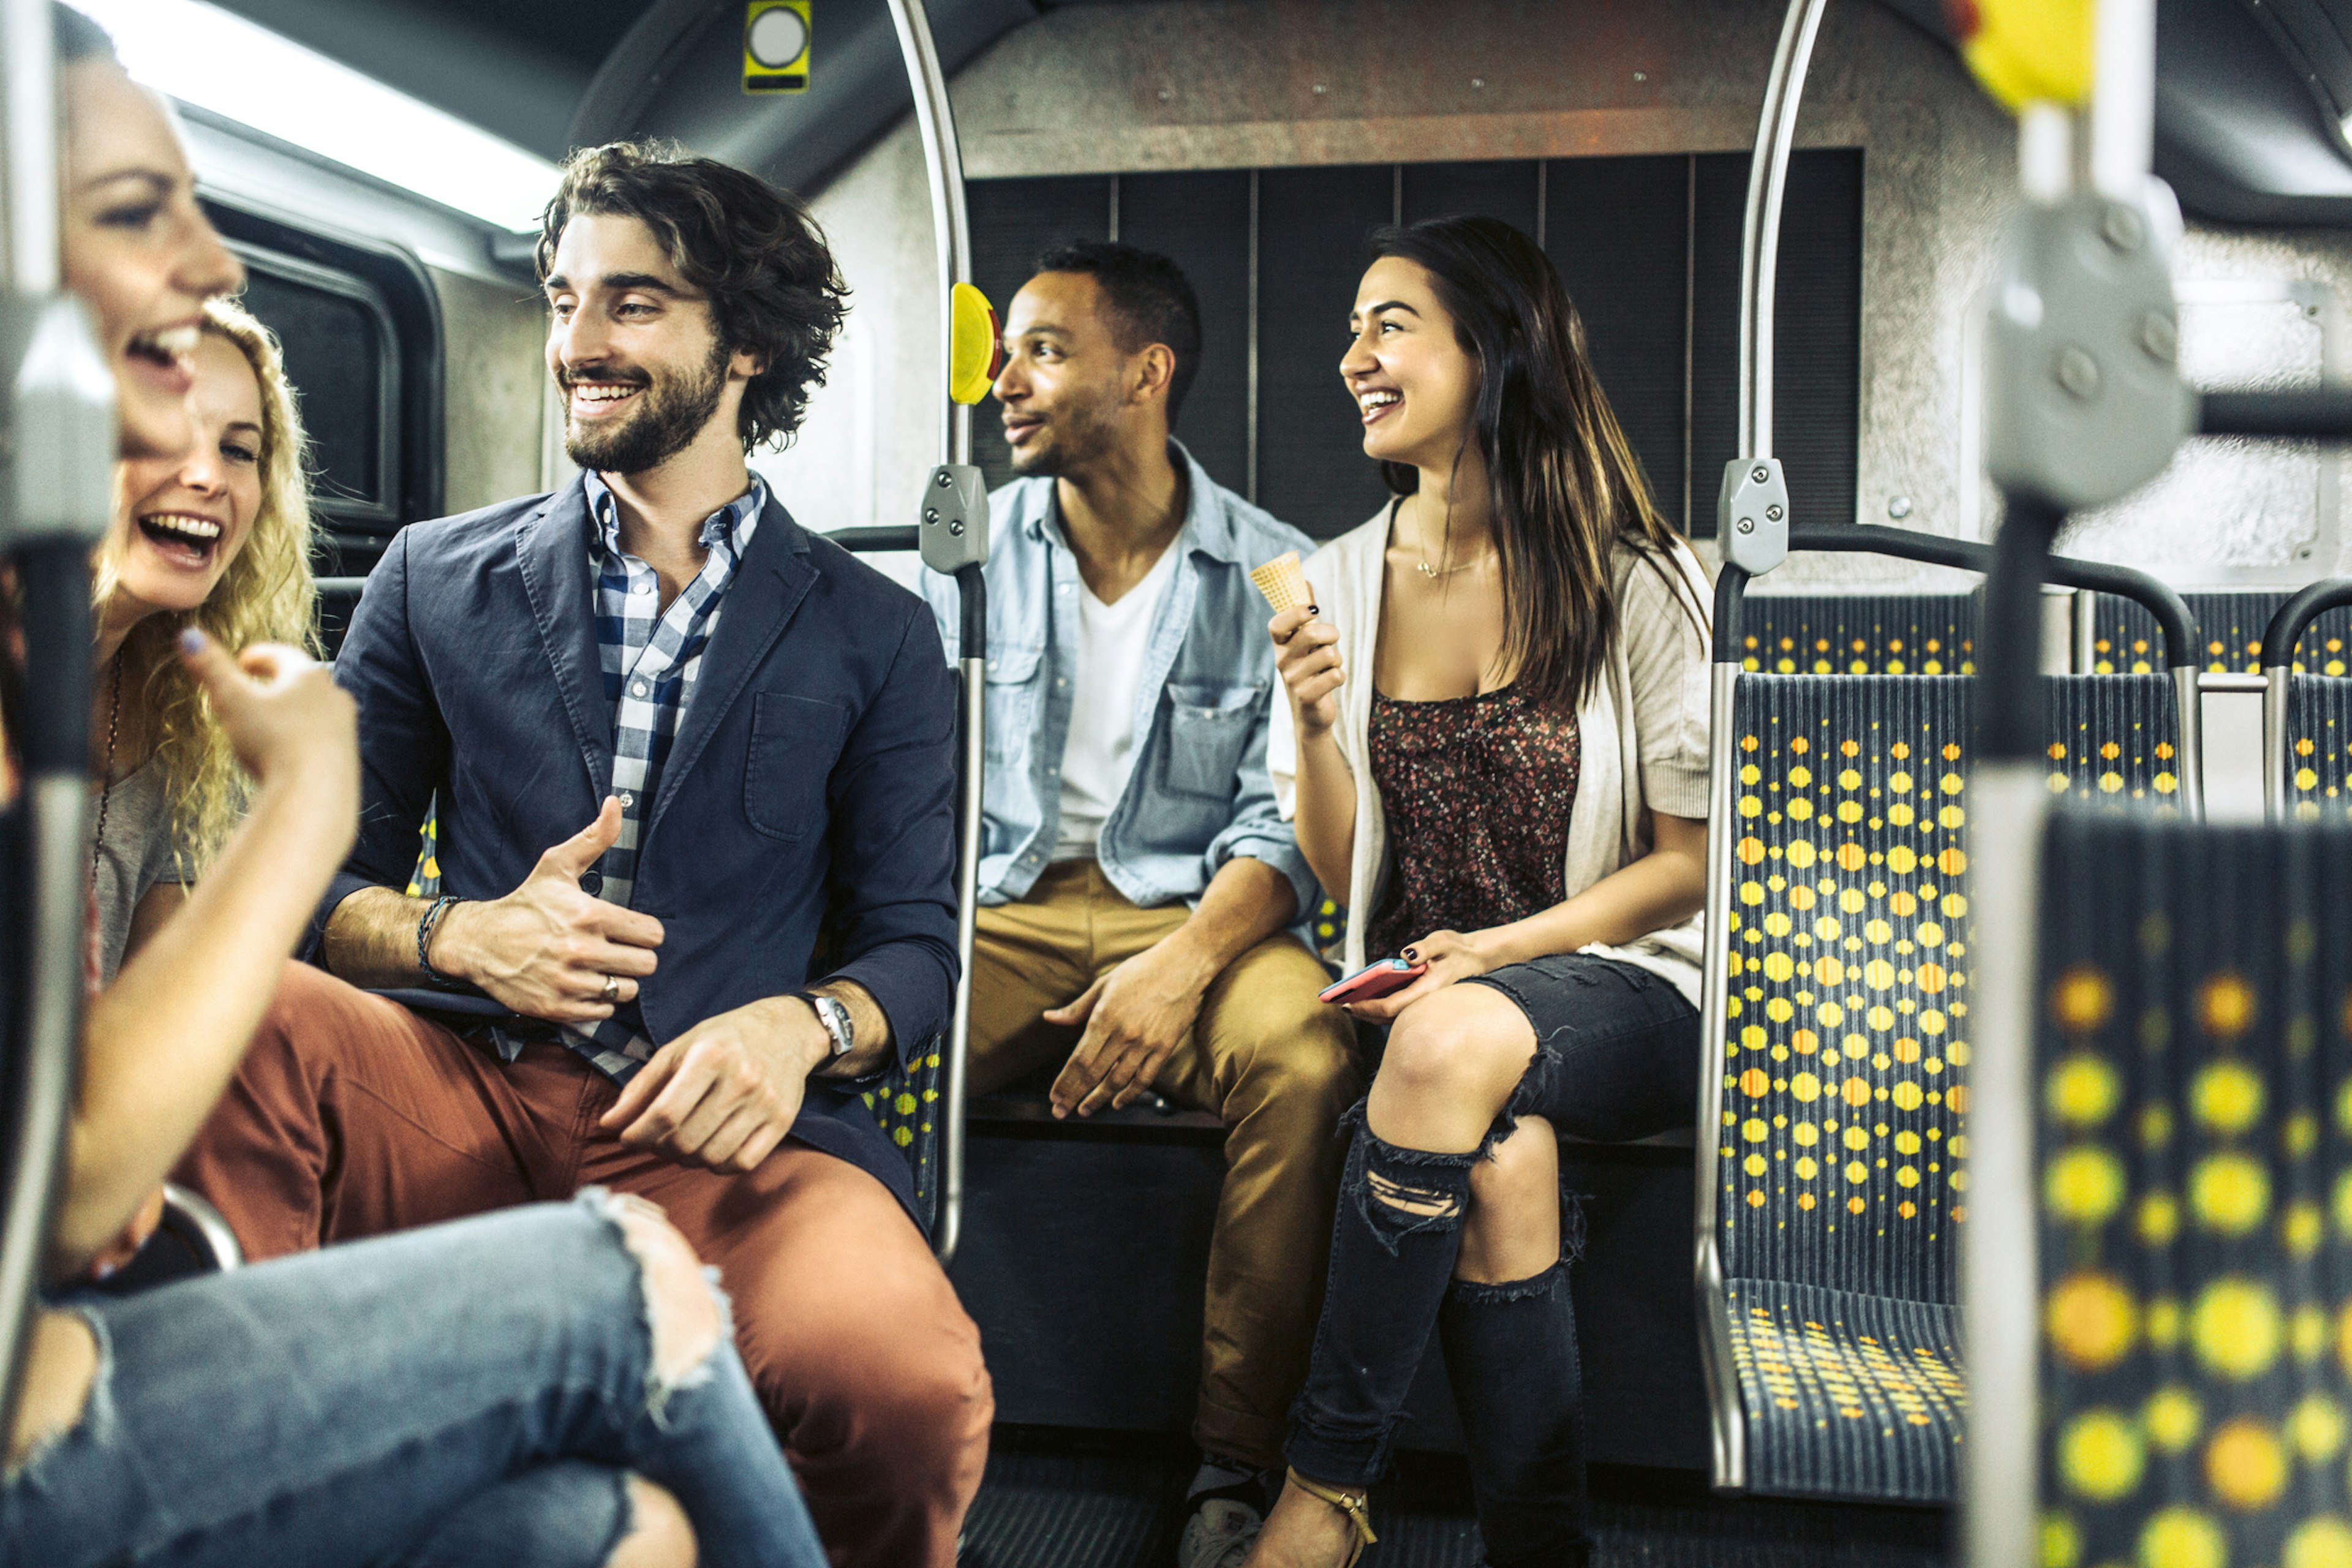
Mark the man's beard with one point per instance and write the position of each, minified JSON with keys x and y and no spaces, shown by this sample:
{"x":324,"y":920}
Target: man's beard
{"x":1076,"y":436}
{"x":673,"y":410}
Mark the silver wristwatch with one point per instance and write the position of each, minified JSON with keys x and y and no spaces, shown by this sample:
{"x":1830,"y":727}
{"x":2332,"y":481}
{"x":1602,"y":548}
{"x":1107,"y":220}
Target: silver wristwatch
{"x":836,"y":1021}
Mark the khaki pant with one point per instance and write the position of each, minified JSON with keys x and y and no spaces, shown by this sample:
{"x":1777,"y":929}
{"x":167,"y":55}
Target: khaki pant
{"x":1275,"y":1064}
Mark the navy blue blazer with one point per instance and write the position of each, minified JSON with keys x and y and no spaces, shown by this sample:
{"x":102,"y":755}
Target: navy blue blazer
{"x":811,"y":781}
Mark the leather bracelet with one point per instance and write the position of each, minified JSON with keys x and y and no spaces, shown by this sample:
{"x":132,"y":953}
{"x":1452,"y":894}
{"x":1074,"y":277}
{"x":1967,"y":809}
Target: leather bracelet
{"x":427,"y":926}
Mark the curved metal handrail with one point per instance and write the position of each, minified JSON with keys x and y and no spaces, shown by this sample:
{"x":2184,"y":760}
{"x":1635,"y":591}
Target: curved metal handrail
{"x":1767,"y":181}
{"x":2286,"y":629}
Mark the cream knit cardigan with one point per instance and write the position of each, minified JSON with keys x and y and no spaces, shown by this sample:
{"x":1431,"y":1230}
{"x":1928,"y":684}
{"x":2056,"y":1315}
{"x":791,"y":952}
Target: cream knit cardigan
{"x":1643,"y":731}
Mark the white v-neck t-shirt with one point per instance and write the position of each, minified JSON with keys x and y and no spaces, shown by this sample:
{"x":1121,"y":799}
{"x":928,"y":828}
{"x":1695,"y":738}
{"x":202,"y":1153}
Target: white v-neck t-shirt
{"x":1099,"y":753}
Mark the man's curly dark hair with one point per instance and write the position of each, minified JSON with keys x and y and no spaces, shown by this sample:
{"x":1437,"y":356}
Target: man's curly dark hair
{"x":750,"y":247}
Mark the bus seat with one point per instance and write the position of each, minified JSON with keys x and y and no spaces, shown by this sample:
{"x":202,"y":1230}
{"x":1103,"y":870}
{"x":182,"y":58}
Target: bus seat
{"x":1860,"y":634}
{"x":2195,"y":1164}
{"x":1835,"y":1325}
{"x":2124,"y":635}
{"x":2319,"y":747}
{"x":2114,"y":739}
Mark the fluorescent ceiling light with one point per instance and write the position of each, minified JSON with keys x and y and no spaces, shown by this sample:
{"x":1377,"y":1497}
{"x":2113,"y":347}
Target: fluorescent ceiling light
{"x":242,"y":71}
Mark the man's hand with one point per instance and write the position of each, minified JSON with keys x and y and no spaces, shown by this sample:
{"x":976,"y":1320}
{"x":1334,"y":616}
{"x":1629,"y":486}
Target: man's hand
{"x":545,"y":949}
{"x":1135,"y":1016}
{"x":726,"y":1092}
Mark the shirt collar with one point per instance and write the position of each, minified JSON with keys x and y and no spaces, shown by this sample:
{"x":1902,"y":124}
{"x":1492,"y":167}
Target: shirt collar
{"x":722,"y":527}
{"x":1206,"y":528}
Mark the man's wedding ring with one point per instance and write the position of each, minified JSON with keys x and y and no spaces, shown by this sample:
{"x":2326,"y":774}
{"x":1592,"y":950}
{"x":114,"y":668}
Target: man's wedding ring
{"x":612,"y":988}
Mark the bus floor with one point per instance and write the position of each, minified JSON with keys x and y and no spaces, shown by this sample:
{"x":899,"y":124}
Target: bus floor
{"x":1057,"y":1498}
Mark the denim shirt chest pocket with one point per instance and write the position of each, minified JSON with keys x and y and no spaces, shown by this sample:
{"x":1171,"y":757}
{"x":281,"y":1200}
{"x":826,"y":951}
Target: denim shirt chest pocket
{"x":1208,"y":728}
{"x":1012,"y":711}
{"x":794,"y":743}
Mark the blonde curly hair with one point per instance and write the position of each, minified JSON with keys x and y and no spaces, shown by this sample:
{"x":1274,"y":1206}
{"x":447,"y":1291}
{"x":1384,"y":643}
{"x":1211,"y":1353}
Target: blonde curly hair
{"x":266,"y":595}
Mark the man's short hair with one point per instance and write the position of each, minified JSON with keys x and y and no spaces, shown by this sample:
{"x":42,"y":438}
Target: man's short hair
{"x":1149,"y":299}
{"x":750,"y":247}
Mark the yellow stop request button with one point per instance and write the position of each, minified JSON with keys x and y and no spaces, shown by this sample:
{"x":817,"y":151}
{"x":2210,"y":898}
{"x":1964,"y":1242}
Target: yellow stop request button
{"x":776,"y":46}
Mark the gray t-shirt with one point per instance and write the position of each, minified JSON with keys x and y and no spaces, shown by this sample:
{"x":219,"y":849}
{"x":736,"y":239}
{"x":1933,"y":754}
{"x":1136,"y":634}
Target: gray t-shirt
{"x":138,"y":853}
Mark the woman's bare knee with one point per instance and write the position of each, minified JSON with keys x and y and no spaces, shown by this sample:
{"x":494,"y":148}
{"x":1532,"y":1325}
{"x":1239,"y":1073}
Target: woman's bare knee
{"x":1513,"y":1229}
{"x":681,"y":1311}
{"x":1451,"y":1061}
{"x":660,"y":1536}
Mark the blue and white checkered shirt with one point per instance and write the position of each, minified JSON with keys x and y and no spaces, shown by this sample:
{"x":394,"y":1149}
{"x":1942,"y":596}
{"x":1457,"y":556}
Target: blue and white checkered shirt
{"x":650,"y":658}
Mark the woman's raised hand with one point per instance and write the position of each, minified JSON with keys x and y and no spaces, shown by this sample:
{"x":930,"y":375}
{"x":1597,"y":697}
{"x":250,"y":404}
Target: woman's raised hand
{"x":1307,"y":652}
{"x":284,"y":714}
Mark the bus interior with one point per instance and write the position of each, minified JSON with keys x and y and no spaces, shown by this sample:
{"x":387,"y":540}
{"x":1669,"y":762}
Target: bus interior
{"x":1967,"y":991}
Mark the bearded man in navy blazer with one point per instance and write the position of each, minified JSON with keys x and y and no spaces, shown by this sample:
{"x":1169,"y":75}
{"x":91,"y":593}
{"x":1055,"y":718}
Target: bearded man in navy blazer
{"x":668,"y":733}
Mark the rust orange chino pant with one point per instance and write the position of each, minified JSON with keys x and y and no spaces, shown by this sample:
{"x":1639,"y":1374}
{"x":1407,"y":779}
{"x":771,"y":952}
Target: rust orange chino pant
{"x":1277,"y":1066}
{"x":352,"y":1116}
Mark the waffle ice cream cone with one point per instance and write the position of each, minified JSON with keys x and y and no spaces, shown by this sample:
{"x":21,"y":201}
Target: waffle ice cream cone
{"x":1282,"y":582}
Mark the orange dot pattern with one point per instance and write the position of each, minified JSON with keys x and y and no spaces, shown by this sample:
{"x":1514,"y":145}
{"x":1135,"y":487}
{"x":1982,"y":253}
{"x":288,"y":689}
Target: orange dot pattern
{"x":2229,"y":629}
{"x":2319,"y":745}
{"x":1890,"y":634}
{"x":2194,"y":1048}
{"x":2114,"y":741}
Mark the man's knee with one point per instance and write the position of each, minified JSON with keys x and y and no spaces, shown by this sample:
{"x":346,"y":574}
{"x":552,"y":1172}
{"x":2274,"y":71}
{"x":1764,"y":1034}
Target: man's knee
{"x":1292,"y":1047}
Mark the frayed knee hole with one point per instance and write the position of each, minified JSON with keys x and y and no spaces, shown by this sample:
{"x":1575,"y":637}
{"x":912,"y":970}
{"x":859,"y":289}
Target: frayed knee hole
{"x":682,"y":1312}
{"x":1421,"y":1202}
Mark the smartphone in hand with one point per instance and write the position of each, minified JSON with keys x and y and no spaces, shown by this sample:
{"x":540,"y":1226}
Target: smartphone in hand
{"x":1373,"y":980}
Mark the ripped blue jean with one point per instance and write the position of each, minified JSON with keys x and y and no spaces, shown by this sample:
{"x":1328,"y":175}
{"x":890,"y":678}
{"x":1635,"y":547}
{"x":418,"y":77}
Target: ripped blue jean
{"x":470,"y":1393}
{"x":1616,"y":1057}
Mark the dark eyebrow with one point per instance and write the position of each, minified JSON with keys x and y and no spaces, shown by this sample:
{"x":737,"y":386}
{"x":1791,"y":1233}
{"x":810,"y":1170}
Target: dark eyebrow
{"x":1390,"y":305}
{"x":243,"y":425}
{"x":624,"y":283}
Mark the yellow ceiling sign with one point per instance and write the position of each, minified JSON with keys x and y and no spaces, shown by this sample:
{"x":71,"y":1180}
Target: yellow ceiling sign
{"x":776,"y":46}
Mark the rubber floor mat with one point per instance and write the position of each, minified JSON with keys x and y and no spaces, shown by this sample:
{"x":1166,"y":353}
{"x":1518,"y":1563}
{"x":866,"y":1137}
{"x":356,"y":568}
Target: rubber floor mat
{"x":1063,"y":1509}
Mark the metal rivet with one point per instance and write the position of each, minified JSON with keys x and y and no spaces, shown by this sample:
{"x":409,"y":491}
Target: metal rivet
{"x":946,"y":478}
{"x":1478,"y":82}
{"x":1898,"y":506}
{"x":2077,"y":372}
{"x":956,"y":528}
{"x":2121,"y":227}
{"x":1759,"y":473}
{"x":931,"y":514}
{"x":1775,"y":513}
{"x":1640,"y":76}
{"x":1747,"y":525}
{"x":2160,"y":336}
{"x":1320,"y":90}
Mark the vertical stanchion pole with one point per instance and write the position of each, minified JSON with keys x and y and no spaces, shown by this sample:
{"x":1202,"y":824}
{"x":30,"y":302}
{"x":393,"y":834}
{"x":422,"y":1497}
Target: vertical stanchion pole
{"x":954,"y":537}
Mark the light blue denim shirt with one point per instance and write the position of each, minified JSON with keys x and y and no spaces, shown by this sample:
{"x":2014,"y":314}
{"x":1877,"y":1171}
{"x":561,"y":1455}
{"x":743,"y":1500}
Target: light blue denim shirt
{"x":1199,"y":795}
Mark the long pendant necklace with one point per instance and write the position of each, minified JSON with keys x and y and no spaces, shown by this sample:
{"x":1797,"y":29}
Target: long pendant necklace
{"x":106,"y":790}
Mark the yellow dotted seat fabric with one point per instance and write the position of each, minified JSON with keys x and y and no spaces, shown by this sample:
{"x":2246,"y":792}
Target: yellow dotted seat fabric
{"x":1841,"y":1161}
{"x":2229,"y":627}
{"x":1859,"y":634}
{"x":2194,"y":1056}
{"x":2319,"y":747}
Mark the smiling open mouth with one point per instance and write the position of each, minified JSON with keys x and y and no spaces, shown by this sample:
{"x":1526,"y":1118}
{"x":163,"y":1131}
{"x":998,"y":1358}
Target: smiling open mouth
{"x":167,"y":348}
{"x":180,"y":538}
{"x":1374,"y":404}
{"x":603,"y":396}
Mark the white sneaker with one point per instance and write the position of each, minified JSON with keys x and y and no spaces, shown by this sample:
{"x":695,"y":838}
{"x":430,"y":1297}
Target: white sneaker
{"x":1219,"y":1536}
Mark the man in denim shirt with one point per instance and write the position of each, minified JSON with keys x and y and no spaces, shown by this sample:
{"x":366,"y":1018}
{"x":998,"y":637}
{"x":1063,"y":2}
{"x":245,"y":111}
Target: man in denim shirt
{"x":1139,"y":889}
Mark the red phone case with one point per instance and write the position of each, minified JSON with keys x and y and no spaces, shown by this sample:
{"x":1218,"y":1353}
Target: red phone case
{"x":1373,"y":981}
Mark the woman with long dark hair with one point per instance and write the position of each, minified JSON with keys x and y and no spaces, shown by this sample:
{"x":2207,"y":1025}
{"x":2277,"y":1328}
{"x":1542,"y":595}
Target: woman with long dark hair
{"x":1497,"y":739}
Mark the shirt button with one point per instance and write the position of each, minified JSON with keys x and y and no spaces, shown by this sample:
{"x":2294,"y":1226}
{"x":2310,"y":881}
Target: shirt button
{"x":593,"y":883}
{"x":628,"y":799}
{"x":1052,"y":773}
{"x":638,"y":690}
{"x":643,"y":588}
{"x":1062,"y":680}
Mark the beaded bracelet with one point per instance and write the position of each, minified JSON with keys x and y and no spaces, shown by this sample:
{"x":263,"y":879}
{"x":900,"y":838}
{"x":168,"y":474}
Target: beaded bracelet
{"x":426,"y":927}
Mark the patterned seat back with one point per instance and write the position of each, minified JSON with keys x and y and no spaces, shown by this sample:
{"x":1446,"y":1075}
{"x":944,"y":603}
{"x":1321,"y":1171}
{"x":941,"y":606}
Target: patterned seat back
{"x":2115,"y":739}
{"x":2194,"y":1051}
{"x":1858,"y":634}
{"x":2318,"y":747}
{"x":2230,"y":628}
{"x":1845,"y":1077}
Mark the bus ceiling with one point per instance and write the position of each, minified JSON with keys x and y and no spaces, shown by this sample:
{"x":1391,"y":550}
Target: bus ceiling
{"x":2249,"y":113}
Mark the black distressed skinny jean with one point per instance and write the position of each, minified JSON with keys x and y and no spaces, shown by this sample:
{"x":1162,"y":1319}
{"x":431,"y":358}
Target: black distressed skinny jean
{"x":1616,"y":1057}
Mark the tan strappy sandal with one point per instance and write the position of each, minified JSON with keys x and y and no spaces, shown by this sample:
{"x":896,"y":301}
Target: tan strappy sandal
{"x":1355,"y":1505}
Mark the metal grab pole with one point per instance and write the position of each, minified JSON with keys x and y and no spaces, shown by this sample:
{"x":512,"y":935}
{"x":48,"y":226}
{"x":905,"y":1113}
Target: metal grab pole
{"x":1760,"y":242}
{"x":57,"y":403}
{"x":953,"y":532}
{"x":1752,"y":508}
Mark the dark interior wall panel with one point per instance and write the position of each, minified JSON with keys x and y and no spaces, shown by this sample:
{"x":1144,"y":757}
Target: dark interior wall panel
{"x":1618,"y":231}
{"x":1012,"y":222}
{"x":1817,"y":324}
{"x":1505,"y":191}
{"x":1312,"y":227}
{"x":1200,"y":221}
